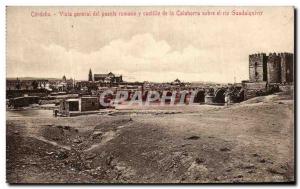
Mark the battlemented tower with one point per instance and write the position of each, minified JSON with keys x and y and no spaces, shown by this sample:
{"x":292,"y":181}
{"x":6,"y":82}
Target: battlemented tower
{"x":258,"y":67}
{"x":274,"y":68}
{"x":287,"y":67}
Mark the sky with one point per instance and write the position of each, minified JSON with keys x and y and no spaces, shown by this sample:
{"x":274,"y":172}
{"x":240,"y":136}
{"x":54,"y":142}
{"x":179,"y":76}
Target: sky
{"x":143,"y":48}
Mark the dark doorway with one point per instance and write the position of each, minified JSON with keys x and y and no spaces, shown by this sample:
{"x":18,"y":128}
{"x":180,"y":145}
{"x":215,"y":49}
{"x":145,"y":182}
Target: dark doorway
{"x":73,"y":106}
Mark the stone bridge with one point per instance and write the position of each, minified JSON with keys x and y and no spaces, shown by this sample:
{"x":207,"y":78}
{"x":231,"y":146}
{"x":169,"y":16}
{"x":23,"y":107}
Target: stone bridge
{"x":212,"y":95}
{"x":216,"y":95}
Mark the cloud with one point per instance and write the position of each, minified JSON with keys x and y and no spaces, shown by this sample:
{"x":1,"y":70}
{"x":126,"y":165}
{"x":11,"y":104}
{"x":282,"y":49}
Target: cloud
{"x":141,"y":57}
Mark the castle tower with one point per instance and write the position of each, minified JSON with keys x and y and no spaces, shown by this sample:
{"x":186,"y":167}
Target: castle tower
{"x":258,"y":67}
{"x":90,"y":75}
{"x":274,"y":68}
{"x":287,"y":67}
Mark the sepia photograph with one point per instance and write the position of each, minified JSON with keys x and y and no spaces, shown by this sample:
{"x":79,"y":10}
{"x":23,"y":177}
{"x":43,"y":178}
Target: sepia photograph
{"x":150,"y":94}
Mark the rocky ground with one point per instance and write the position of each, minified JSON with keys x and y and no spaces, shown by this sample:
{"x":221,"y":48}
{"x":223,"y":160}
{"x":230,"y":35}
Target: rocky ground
{"x":248,"y":142}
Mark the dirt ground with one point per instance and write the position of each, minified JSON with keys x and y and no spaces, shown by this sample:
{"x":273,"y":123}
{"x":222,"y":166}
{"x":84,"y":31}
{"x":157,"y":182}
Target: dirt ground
{"x":248,"y":142}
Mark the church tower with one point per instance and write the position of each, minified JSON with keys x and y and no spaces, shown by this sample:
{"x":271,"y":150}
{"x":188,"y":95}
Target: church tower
{"x":90,"y":75}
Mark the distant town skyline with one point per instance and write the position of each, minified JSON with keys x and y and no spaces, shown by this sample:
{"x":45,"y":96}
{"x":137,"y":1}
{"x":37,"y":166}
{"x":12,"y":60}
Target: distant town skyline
{"x":157,"y":49}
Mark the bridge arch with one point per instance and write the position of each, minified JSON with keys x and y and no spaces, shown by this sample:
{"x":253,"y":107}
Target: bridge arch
{"x":199,"y":96}
{"x":220,"y":95}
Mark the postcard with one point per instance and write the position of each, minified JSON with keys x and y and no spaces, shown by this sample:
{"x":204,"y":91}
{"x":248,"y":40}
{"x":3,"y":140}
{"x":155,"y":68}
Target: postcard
{"x":150,"y":94}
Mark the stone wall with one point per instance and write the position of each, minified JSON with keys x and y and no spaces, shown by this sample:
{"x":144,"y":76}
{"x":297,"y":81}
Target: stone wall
{"x":89,"y":104}
{"x":254,"y":89}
